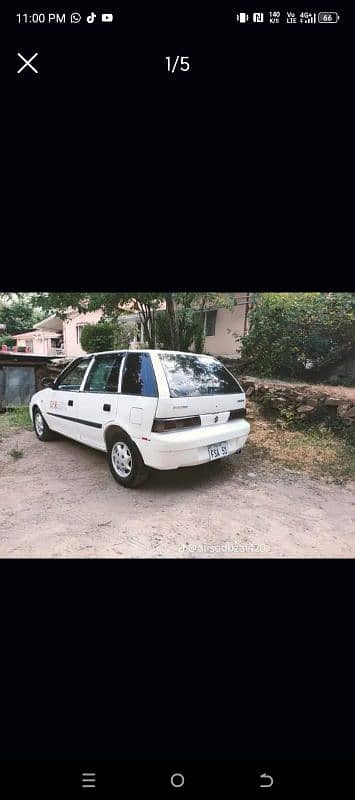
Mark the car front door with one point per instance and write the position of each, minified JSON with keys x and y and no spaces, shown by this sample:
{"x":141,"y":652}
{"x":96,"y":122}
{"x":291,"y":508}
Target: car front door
{"x":62,"y":401}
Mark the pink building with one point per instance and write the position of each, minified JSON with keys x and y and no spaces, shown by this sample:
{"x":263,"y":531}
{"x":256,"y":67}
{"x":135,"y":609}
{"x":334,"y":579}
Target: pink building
{"x":46,"y":338}
{"x":56,"y":337}
{"x":72,"y":328}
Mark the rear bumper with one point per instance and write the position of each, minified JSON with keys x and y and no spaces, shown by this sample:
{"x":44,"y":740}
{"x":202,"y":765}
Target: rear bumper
{"x":190,"y":448}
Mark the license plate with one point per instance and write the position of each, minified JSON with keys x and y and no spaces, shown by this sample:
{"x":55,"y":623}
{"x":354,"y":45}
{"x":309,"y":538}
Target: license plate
{"x":218,"y":450}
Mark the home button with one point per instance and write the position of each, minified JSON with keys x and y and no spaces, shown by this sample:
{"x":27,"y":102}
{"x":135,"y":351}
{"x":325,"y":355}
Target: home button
{"x":177,"y":780}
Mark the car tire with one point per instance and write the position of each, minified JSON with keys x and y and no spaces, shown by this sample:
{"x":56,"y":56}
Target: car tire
{"x":43,"y":433}
{"x":126,"y":463}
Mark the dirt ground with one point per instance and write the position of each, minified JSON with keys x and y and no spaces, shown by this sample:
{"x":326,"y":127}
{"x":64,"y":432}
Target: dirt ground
{"x":59,"y":500}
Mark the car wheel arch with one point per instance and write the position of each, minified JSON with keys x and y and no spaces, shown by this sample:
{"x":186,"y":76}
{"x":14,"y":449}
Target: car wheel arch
{"x":111,"y":432}
{"x":33,"y":410}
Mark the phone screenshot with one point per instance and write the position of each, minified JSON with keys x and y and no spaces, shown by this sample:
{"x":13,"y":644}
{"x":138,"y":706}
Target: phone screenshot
{"x":177,"y":400}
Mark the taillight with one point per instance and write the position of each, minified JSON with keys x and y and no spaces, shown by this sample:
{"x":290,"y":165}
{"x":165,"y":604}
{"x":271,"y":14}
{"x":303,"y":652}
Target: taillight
{"x":237,"y":413}
{"x":175,"y":424}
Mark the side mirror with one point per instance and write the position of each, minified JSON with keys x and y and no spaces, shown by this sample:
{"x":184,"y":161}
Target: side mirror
{"x":47,"y":383}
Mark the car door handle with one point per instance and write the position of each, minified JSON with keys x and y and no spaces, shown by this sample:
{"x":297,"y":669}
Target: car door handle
{"x":70,"y":402}
{"x":106,"y":407}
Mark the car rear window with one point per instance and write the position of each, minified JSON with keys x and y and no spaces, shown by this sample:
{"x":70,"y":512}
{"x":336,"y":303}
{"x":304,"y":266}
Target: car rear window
{"x":190,"y":375}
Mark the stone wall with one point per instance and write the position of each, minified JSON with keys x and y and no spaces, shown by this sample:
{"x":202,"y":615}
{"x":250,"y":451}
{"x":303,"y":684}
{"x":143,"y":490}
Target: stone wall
{"x":302,"y":400}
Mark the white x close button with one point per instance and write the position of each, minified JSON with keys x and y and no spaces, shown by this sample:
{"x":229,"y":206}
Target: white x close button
{"x":27,"y":63}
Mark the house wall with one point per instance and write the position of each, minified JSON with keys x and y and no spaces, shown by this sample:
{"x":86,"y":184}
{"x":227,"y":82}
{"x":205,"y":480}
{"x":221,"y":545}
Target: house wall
{"x":72,"y":348}
{"x":228,"y":323}
{"x":41,"y":341}
{"x":38,"y":345}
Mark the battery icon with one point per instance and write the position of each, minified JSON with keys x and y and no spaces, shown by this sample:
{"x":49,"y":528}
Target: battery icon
{"x":328,"y":16}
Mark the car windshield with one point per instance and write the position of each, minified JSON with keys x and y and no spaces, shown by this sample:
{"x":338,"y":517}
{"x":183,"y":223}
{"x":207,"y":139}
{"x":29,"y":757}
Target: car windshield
{"x":193,"y":375}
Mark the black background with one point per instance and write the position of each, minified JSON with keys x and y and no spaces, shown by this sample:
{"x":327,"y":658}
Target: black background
{"x":231,"y":176}
{"x":133,"y":175}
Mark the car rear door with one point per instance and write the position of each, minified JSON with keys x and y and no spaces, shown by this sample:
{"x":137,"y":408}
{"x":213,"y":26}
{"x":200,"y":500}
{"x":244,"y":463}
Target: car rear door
{"x":97,"y":403}
{"x":138,"y":399}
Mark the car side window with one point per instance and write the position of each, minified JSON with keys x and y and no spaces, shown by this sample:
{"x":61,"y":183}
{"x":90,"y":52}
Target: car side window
{"x":138,"y":376}
{"x":104,"y":373}
{"x":72,"y":380}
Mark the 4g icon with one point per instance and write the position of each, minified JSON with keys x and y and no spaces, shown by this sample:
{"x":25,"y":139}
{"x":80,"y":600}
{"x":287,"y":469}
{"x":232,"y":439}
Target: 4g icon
{"x":181,"y":63}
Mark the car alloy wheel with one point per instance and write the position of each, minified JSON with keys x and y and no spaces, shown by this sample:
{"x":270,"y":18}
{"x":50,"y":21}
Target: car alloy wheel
{"x":39,"y":423}
{"x":121,"y":458}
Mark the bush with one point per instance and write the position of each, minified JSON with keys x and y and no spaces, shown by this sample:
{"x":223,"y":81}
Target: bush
{"x":290,"y":332}
{"x":105,"y":335}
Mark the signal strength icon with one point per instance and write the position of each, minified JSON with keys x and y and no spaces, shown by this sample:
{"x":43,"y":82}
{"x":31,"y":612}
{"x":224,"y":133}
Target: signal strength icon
{"x":242,"y":17}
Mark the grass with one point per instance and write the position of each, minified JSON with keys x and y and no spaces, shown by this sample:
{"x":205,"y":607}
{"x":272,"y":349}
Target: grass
{"x":317,"y":451}
{"x":15,"y":419}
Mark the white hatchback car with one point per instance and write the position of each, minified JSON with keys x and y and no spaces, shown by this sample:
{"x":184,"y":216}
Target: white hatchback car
{"x":145,"y":408}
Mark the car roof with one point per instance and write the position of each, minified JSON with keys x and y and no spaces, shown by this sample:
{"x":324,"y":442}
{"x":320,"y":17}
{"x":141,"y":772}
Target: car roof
{"x":140,"y":350}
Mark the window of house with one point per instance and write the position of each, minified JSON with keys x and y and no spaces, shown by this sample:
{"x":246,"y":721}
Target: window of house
{"x":79,"y":328}
{"x":138,"y":376}
{"x":72,"y":378}
{"x":104,"y":374}
{"x":210,"y":323}
{"x":54,"y":343}
{"x":29,"y":345}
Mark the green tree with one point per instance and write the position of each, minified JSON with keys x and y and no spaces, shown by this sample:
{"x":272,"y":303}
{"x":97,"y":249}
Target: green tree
{"x":185,"y":311}
{"x":18,"y":316}
{"x":8,"y":340}
{"x":190,"y":334}
{"x":290,"y":331}
{"x":188,"y":330}
{"x":145,"y":304}
{"x":59,"y":302}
